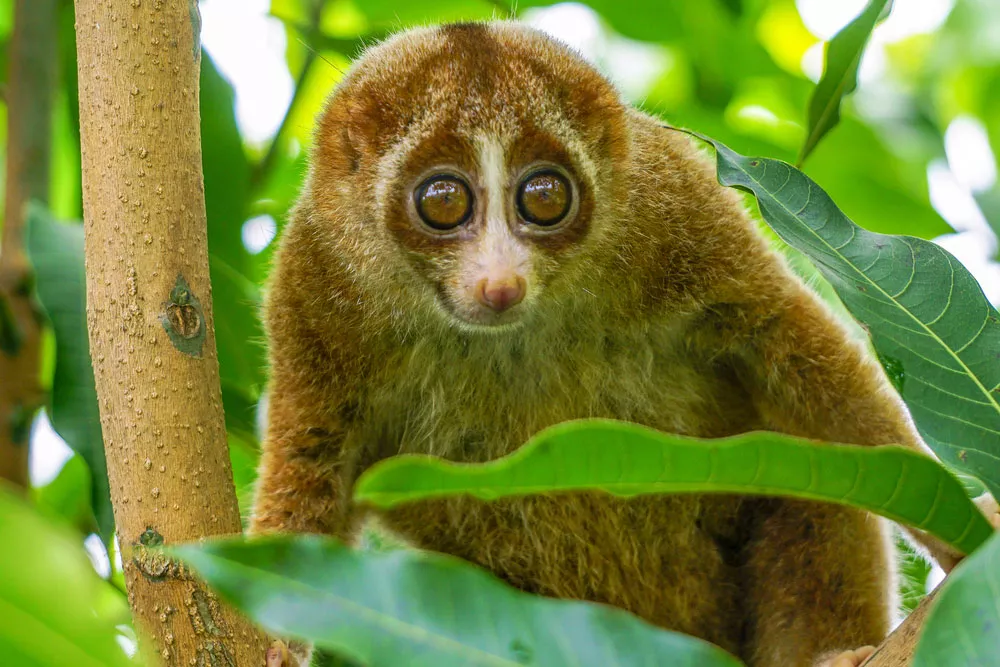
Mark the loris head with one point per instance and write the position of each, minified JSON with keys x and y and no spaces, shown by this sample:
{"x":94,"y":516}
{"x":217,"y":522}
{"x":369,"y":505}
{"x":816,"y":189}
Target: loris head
{"x":465,"y":171}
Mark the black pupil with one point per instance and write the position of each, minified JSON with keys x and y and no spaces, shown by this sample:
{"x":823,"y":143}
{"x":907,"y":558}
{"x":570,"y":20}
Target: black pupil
{"x":443,"y":202}
{"x":544,"y":198}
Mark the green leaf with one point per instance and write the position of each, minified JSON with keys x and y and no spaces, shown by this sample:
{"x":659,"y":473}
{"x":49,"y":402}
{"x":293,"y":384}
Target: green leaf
{"x":56,"y":252}
{"x":244,"y":457}
{"x":293,"y":11}
{"x":66,"y":188}
{"x":241,"y":412}
{"x":422,"y":609}
{"x":963,"y":627}
{"x":49,"y":595}
{"x":840,"y":75}
{"x":6,"y":20}
{"x":235,"y":300}
{"x":913,"y":572}
{"x":628,"y":459}
{"x":927,"y":316}
{"x":68,"y":496}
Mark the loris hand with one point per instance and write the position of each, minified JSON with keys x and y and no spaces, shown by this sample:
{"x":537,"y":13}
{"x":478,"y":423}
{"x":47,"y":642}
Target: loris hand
{"x":278,"y":655}
{"x":854,"y":658}
{"x":293,"y":654}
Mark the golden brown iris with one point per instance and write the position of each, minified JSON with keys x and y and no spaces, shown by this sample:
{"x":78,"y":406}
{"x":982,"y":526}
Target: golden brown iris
{"x":544,"y":198}
{"x":443,"y":202}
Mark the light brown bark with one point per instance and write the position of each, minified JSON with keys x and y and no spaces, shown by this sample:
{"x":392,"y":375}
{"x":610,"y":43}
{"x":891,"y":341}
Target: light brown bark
{"x":898,"y":648}
{"x":31,"y":79}
{"x":149,"y":312}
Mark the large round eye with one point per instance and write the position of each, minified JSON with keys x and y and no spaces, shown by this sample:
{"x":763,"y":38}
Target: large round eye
{"x":544,"y":198}
{"x":443,"y":202}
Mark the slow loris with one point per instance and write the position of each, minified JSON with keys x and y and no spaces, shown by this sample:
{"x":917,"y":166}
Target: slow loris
{"x":490,"y":242}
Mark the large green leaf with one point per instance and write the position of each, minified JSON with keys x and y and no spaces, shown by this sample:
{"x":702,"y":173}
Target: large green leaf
{"x":244,"y":457}
{"x":628,"y":459}
{"x":422,"y":609}
{"x":840,"y":74}
{"x":931,"y":325}
{"x":56,"y":252}
{"x":50,"y":596}
{"x":963,"y":627}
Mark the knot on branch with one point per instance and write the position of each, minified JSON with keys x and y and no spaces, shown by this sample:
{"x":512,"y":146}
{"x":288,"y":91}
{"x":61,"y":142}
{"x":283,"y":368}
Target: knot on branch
{"x":184,"y":320}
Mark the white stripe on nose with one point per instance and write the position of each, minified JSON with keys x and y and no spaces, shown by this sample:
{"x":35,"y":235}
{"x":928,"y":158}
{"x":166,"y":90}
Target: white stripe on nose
{"x":499,"y":264}
{"x":498,"y":247}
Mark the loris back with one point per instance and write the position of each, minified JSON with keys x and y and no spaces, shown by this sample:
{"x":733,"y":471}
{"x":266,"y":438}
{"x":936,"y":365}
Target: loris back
{"x":490,"y":242}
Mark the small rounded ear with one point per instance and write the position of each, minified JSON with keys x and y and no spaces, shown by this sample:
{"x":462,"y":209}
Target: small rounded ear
{"x":595,"y":108}
{"x":361,"y":128}
{"x":358,"y":126}
{"x":341,"y":138}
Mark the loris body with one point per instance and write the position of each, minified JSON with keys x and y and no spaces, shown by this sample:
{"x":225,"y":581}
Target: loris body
{"x":490,"y":243}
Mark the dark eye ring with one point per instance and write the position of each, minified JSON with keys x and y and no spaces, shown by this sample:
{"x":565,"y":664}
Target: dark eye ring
{"x":544,"y":198}
{"x":443,"y":202}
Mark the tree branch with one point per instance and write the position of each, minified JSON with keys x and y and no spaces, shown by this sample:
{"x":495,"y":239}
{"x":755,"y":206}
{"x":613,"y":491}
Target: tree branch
{"x":898,"y":648}
{"x":29,"y":142}
{"x":150,"y":320}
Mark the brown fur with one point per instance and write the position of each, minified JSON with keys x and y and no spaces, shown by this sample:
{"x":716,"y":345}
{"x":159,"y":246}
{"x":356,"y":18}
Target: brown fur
{"x":659,"y":304}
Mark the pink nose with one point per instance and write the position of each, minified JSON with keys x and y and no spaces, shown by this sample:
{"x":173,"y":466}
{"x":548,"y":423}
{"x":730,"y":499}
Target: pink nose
{"x":501,"y":294}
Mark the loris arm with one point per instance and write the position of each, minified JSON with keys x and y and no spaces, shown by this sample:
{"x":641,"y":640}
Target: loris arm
{"x":818,"y":574}
{"x":808,"y":378}
{"x":304,"y":482}
{"x":308,"y":465}
{"x":305,"y":473}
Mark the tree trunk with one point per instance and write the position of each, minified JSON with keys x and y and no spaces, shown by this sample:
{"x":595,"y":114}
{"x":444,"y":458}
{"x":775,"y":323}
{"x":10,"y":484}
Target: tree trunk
{"x":29,"y":140}
{"x":149,"y":312}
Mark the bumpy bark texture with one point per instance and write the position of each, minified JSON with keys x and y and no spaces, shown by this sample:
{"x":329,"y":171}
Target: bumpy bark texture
{"x":31,"y":78}
{"x":149,"y":310}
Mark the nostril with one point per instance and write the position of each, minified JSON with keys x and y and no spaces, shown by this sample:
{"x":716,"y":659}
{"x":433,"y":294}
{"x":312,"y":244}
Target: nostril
{"x":500,"y":295}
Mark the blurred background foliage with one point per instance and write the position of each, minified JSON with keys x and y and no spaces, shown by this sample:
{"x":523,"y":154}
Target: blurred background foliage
{"x":913,"y":154}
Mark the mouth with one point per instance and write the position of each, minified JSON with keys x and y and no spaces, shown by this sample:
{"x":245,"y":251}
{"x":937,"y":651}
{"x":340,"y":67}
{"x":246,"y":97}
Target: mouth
{"x":474,"y":317}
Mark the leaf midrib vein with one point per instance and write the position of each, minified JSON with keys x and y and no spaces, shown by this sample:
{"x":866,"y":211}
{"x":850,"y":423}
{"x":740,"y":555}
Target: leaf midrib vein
{"x":406,"y":629}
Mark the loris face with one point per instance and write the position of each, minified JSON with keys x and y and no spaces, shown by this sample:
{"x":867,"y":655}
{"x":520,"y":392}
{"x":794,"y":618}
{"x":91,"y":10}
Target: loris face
{"x":479,"y":160}
{"x":479,"y":234}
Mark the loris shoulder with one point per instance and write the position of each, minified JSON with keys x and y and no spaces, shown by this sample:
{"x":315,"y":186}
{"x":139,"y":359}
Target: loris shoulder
{"x":490,"y":242}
